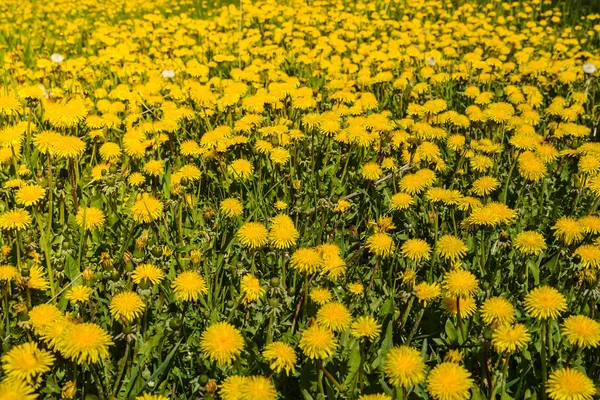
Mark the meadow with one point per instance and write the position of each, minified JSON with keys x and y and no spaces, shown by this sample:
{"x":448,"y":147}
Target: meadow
{"x":299,"y":199}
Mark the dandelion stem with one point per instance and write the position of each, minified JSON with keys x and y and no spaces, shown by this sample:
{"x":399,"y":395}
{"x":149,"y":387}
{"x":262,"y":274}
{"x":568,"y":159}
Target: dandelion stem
{"x":504,"y":376}
{"x":121,"y":369}
{"x":543,"y":355}
{"x":415,"y":326}
{"x":331,"y":378}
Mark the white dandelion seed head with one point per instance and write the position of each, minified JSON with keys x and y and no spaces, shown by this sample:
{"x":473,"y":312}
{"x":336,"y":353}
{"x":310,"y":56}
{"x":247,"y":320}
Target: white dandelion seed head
{"x":589,"y":68}
{"x":431,"y":61}
{"x":168,"y":73}
{"x":57,"y":58}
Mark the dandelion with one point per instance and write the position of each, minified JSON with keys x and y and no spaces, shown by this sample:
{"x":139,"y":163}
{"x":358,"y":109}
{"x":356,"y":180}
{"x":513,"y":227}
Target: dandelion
{"x":231,"y":387}
{"x":497,"y":309}
{"x":90,"y":218}
{"x":404,"y":367}
{"x":365,"y":326}
{"x":401,"y":201}
{"x":15,"y":219}
{"x":7,"y":273}
{"x":221,"y":342}
{"x":334,"y":316}
{"x":231,"y":207}
{"x":508,"y":338}
{"x":16,"y":390}
{"x":416,"y":250}
{"x":581,"y":331}
{"x":147,"y":273}
{"x":570,"y":384}
{"x":317,"y":342}
{"x":427,"y":292}
{"x":79,"y":294}
{"x":485,"y":185}
{"x":589,"y":255}
{"x":283,"y":233}
{"x":29,"y":195}
{"x":253,"y":235}
{"x":467,"y":306}
{"x":449,"y":381}
{"x":84,"y":342}
{"x":320,"y":295}
{"x":306,"y":260}
{"x":257,"y":388}
{"x":371,"y":171}
{"x":126,"y":306}
{"x":530,"y":243}
{"x":189,"y":286}
{"x":451,"y":247}
{"x":381,"y":244}
{"x":460,"y":283}
{"x":241,"y":169}
{"x":26,"y":361}
{"x":356,"y":288}
{"x":251,"y":289}
{"x":569,"y":230}
{"x":147,"y":208}
{"x":545,"y":302}
{"x":282,"y":357}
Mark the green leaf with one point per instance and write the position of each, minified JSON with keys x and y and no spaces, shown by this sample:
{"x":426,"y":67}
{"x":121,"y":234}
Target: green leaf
{"x":161,"y":368}
{"x":451,"y":331}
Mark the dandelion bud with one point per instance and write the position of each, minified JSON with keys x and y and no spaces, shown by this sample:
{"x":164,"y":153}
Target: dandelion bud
{"x":88,"y":274}
{"x":211,"y":386}
{"x":195,"y":256}
{"x":69,"y":390}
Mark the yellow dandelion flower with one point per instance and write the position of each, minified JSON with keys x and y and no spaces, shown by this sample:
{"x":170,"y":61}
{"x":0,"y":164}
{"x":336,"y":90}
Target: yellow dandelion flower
{"x":29,"y":195}
{"x":79,"y":294}
{"x":404,"y":367}
{"x":147,"y":208}
{"x":467,"y":306}
{"x":334,"y":316}
{"x":283,"y":233}
{"x":25,"y":362}
{"x":250,"y":289}
{"x":231,"y":207}
{"x":282,"y":357}
{"x":381,"y":244}
{"x":189,"y":286}
{"x":320,"y":295}
{"x":147,"y":273}
{"x":570,"y":384}
{"x":306,"y":260}
{"x":451,"y":247}
{"x":416,"y":250}
{"x":497,"y":309}
{"x":427,"y":292}
{"x":581,"y":331}
{"x":221,"y":342}
{"x":365,"y":326}
{"x":449,"y":381}
{"x":90,"y":218}
{"x":508,"y":339}
{"x":317,"y":342}
{"x":545,"y":302}
{"x":253,"y":235}
{"x":16,"y":219}
{"x":126,"y":306}
{"x":16,"y":389}
{"x":83,"y":343}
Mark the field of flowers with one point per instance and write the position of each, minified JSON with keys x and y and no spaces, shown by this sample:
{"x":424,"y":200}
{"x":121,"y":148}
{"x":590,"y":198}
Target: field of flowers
{"x":299,"y":199}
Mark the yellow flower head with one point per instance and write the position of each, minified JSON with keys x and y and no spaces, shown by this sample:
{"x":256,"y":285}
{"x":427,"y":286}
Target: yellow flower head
{"x":221,"y":342}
